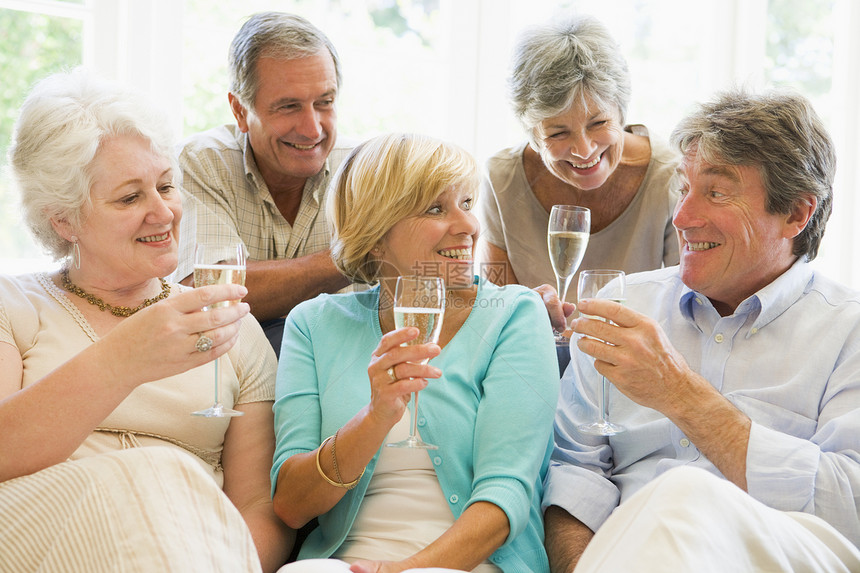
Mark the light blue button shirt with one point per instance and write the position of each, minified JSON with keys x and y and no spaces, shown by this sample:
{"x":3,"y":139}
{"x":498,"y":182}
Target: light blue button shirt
{"x":789,"y":357}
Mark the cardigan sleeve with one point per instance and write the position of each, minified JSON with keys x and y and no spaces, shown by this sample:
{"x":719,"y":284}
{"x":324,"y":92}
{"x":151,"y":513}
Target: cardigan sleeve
{"x":297,"y":399}
{"x":513,"y":433}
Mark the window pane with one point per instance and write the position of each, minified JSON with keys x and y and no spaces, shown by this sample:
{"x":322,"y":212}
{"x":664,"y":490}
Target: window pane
{"x":800,"y":48}
{"x":31,"y":47}
{"x":392,"y":55}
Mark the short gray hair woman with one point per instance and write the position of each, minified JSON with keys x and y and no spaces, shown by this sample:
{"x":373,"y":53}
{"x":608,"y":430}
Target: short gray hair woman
{"x":102,"y":360}
{"x":60,"y":129}
{"x":573,"y":61}
{"x":570,"y":90}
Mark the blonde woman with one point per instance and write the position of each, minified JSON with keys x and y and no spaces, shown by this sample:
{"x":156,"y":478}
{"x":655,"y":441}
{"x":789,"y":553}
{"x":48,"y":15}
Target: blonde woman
{"x":402,"y":204}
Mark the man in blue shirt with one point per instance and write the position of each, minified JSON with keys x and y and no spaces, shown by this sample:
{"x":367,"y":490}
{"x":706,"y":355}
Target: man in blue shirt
{"x":742,"y":362}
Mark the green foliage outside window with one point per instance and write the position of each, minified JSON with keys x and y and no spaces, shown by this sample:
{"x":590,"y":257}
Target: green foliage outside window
{"x":31,"y":47}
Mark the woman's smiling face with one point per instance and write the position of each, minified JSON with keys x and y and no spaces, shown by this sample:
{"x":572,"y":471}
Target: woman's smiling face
{"x":582,"y":146}
{"x":438,"y":242}
{"x":130,"y":230}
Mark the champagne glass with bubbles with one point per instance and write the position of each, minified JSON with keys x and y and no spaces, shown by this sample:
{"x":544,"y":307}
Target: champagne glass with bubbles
{"x":606,"y":284}
{"x":216,"y":264}
{"x":419,"y":302}
{"x":567,"y":237}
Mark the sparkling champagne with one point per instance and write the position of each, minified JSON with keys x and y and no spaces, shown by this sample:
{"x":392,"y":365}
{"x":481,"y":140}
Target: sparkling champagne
{"x":205,"y":275}
{"x":566,"y":249}
{"x":428,"y":321}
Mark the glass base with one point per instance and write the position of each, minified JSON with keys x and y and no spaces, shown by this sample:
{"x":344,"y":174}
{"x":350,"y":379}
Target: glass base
{"x":412,"y":443}
{"x":217,"y":411}
{"x":601,"y":428}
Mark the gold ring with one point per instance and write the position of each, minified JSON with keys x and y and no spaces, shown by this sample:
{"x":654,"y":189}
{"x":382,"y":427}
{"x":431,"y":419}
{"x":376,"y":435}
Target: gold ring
{"x":204,"y":343}
{"x":391,"y":374}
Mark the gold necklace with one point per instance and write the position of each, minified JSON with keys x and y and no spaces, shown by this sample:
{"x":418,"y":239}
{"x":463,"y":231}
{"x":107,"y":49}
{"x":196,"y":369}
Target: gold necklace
{"x":121,"y":311}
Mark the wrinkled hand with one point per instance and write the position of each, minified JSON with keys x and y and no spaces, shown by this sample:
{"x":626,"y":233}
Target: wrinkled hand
{"x":388,"y":397}
{"x":558,"y":311}
{"x":638,"y":359}
{"x":160,"y":340}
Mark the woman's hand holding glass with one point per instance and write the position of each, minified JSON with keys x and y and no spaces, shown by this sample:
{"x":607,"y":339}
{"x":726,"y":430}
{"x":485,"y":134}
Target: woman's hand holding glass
{"x":216,"y":264}
{"x":160,"y":340}
{"x":567,"y":238}
{"x":390,"y":395}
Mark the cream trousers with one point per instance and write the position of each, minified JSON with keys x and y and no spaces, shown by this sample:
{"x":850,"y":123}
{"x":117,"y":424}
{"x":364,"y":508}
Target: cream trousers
{"x":139,"y":510}
{"x":690,"y":520}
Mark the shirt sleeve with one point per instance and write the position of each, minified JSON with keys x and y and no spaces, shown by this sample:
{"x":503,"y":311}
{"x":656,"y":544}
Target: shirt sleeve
{"x":256,"y":364}
{"x":212,"y":202}
{"x":5,"y":326}
{"x":578,"y":477}
{"x":489,"y":214}
{"x":819,"y":475}
{"x":513,"y":433}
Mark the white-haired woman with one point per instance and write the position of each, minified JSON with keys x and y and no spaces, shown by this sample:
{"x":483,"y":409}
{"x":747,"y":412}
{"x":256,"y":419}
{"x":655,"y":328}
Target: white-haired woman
{"x":102,"y":467}
{"x":570,"y":88}
{"x":401,"y":205}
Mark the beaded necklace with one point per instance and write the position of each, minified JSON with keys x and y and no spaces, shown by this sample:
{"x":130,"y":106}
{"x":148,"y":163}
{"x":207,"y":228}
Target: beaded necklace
{"x":121,"y":311}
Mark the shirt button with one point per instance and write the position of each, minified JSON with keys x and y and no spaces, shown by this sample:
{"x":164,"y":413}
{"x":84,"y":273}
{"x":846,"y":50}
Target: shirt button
{"x":718,"y":338}
{"x":699,"y":302}
{"x":753,"y":331}
{"x":421,"y":422}
{"x":437,"y":461}
{"x":685,"y":442}
{"x":454,"y":498}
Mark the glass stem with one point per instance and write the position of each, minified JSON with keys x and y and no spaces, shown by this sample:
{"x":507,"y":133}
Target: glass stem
{"x":561,"y":283}
{"x":604,"y":409}
{"x":561,"y":288}
{"x":216,"y":383}
{"x":413,"y":431}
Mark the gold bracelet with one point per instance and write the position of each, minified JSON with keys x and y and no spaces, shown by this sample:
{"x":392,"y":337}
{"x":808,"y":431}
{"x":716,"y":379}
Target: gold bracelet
{"x":334,"y":458}
{"x":348,"y":486}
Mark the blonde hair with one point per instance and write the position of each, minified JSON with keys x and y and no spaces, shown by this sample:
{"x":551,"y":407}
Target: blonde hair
{"x":383,"y":181}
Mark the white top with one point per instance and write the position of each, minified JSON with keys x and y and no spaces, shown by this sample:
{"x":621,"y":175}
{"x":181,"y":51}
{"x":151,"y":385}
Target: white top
{"x":403,"y":478}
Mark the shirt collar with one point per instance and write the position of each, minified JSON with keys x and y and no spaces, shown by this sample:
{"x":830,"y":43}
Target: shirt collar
{"x":770,"y":301}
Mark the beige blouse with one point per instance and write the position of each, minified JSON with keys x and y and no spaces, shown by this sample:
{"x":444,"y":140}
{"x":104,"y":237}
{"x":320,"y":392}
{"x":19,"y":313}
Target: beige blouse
{"x":641,"y":238}
{"x":47,"y":329}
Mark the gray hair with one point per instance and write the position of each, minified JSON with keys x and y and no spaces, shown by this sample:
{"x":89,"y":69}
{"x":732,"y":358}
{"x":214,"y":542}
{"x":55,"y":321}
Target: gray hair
{"x":556,"y":64}
{"x":781,"y":135}
{"x":275,"y":35}
{"x":60,"y":128}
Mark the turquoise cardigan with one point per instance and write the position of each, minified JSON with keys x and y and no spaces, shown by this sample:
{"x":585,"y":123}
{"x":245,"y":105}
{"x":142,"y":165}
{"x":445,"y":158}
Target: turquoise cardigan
{"x":490,"y":413}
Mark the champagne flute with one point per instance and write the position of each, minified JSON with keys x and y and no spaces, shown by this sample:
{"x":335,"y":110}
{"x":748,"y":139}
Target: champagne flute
{"x":218,"y":264}
{"x":567,"y":237}
{"x":607,"y":284}
{"x":419,"y":302}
